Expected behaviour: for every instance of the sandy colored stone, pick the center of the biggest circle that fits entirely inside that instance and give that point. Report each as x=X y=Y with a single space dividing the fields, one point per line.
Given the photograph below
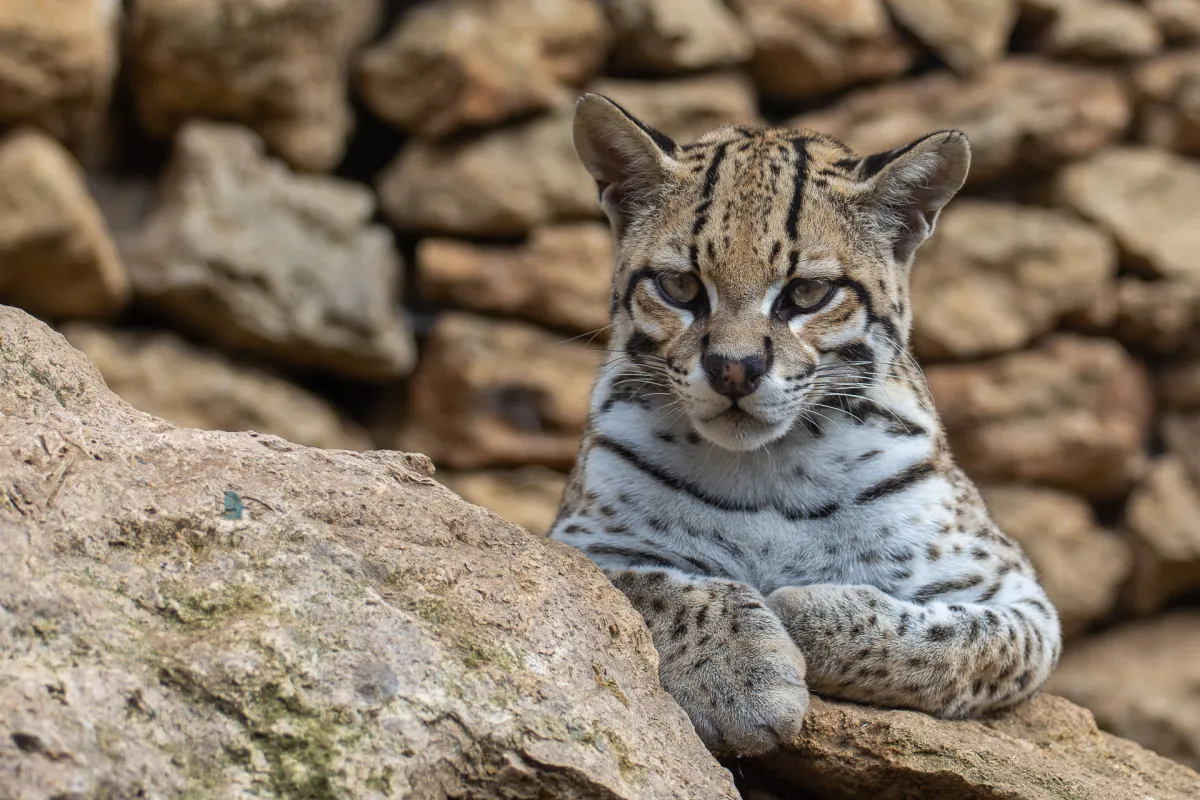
x=669 y=36
x=967 y=34
x=1147 y=200
x=996 y=275
x=528 y=497
x=1140 y=682
x=190 y=613
x=278 y=66
x=808 y=47
x=686 y=108
x=503 y=182
x=1163 y=517
x=1099 y=30
x=1047 y=749
x=498 y=394
x=1073 y=413
x=58 y=61
x=1179 y=385
x=1022 y=114
x=1159 y=316
x=56 y=256
x=256 y=258
x=559 y=277
x=1179 y=20
x=1168 y=92
x=163 y=375
x=1081 y=565
x=462 y=63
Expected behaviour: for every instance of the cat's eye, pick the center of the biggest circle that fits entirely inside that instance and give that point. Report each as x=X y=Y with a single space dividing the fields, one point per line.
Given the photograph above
x=680 y=288
x=805 y=296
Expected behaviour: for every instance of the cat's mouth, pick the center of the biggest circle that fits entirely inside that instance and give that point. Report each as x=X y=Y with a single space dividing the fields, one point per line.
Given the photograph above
x=737 y=428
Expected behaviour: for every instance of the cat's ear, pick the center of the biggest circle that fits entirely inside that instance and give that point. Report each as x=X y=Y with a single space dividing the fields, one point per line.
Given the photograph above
x=630 y=161
x=909 y=186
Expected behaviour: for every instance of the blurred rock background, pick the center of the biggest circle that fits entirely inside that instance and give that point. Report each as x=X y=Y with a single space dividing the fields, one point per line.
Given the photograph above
x=359 y=224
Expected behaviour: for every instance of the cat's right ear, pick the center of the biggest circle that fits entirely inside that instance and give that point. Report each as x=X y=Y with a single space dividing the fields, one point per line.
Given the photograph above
x=630 y=161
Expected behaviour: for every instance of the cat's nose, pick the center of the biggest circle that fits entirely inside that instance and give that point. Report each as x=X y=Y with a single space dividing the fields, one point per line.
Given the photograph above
x=734 y=377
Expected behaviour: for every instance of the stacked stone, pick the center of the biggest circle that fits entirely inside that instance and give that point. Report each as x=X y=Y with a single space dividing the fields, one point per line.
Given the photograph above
x=313 y=147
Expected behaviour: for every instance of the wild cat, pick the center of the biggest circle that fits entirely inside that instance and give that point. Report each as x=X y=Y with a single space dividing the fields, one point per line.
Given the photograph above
x=763 y=473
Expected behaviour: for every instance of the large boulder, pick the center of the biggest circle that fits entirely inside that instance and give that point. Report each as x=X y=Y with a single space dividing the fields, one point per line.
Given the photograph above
x=969 y=35
x=57 y=258
x=996 y=275
x=57 y=66
x=161 y=374
x=1099 y=30
x=256 y=258
x=1073 y=413
x=676 y=35
x=1140 y=681
x=200 y=614
x=461 y=63
x=278 y=66
x=1022 y=114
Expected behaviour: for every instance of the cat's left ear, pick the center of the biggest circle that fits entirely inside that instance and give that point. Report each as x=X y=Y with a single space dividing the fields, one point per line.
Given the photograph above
x=910 y=185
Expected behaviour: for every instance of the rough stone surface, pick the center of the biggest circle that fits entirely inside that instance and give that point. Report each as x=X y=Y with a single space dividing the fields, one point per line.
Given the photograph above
x=278 y=66
x=1073 y=413
x=1022 y=114
x=1145 y=199
x=1179 y=385
x=192 y=613
x=163 y=375
x=1179 y=20
x=1160 y=316
x=808 y=47
x=256 y=258
x=1140 y=682
x=1163 y=518
x=1047 y=749
x=1081 y=564
x=461 y=63
x=56 y=256
x=1168 y=93
x=500 y=183
x=498 y=394
x=996 y=275
x=559 y=277
x=687 y=108
x=669 y=36
x=1100 y=30
x=967 y=34
x=527 y=497
x=57 y=65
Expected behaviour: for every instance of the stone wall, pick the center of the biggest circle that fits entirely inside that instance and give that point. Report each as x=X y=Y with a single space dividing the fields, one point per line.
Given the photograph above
x=362 y=225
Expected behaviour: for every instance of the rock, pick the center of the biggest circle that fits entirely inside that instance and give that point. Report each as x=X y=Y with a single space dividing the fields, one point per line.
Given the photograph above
x=527 y=497
x=1181 y=433
x=1073 y=413
x=1140 y=682
x=1168 y=91
x=1163 y=316
x=498 y=394
x=1022 y=114
x=1179 y=20
x=501 y=183
x=808 y=47
x=258 y=259
x=163 y=375
x=1146 y=199
x=1099 y=30
x=1081 y=565
x=278 y=66
x=1046 y=749
x=967 y=34
x=189 y=611
x=559 y=276
x=56 y=257
x=57 y=66
x=687 y=108
x=996 y=275
x=668 y=36
x=1163 y=517
x=462 y=63
x=1179 y=385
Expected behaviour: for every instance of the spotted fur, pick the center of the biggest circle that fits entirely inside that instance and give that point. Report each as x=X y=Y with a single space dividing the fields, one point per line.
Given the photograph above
x=813 y=521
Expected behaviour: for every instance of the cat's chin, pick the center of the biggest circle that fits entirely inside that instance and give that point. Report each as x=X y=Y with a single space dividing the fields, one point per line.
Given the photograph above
x=739 y=431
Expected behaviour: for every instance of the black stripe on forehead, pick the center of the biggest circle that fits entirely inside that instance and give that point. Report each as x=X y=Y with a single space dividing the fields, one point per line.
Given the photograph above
x=710 y=185
x=800 y=146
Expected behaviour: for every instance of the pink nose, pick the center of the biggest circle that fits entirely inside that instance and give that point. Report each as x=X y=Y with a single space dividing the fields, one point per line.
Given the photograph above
x=734 y=378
